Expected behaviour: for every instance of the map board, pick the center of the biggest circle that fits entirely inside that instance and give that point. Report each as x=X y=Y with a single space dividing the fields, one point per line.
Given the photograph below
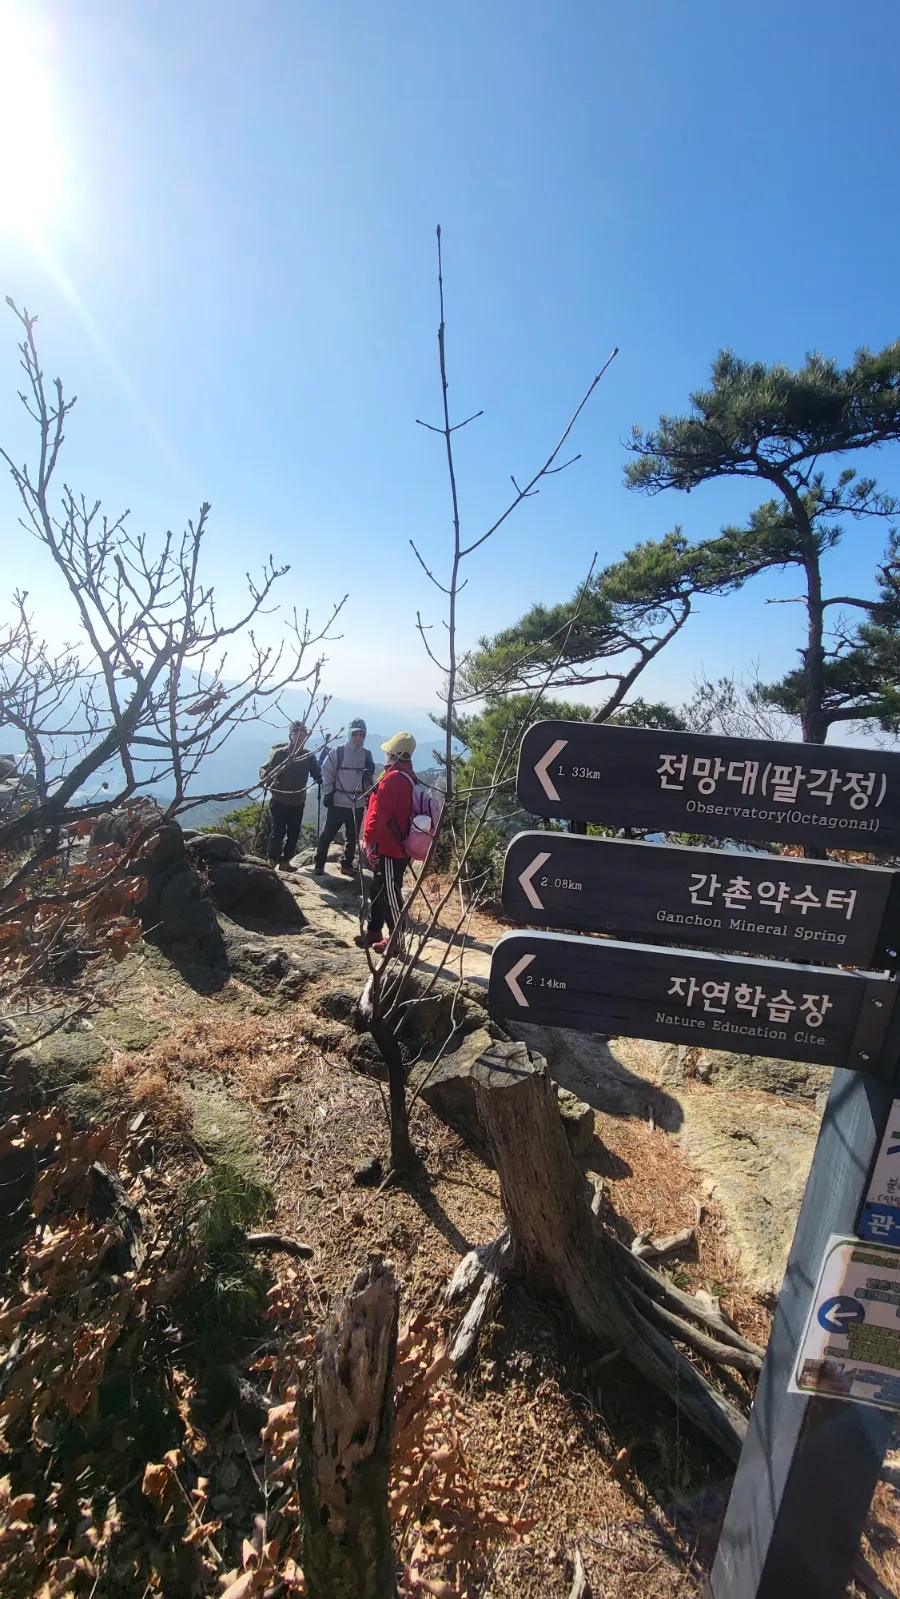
x=850 y=1347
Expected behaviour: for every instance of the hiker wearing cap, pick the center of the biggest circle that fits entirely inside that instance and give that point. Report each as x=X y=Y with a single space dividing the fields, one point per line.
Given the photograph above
x=286 y=774
x=385 y=830
x=348 y=772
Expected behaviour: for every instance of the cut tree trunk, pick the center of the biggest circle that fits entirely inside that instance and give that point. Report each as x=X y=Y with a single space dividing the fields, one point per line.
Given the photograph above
x=345 y=1435
x=557 y=1242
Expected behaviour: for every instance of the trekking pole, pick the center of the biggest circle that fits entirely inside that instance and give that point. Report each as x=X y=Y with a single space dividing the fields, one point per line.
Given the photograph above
x=321 y=758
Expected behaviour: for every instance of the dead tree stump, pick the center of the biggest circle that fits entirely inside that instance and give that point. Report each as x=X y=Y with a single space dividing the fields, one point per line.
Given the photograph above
x=557 y=1242
x=345 y=1436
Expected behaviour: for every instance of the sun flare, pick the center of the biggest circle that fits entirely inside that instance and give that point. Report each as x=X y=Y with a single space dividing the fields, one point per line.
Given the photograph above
x=30 y=159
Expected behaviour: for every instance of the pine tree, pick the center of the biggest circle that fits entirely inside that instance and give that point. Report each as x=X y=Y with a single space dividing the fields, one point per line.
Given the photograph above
x=611 y=629
x=776 y=425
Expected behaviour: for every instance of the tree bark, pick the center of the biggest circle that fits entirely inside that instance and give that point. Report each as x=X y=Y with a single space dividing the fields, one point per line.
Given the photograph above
x=557 y=1242
x=402 y=1155
x=345 y=1435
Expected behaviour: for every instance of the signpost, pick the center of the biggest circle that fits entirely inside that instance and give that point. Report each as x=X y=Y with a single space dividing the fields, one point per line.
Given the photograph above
x=880 y=1219
x=792 y=909
x=722 y=787
x=821 y=1420
x=597 y=985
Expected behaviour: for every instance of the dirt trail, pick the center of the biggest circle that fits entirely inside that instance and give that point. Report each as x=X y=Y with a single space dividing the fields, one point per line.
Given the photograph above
x=331 y=904
x=753 y=1144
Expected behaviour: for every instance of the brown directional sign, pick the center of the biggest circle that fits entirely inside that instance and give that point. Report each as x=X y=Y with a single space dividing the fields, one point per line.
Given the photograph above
x=597 y=985
x=724 y=787
x=732 y=900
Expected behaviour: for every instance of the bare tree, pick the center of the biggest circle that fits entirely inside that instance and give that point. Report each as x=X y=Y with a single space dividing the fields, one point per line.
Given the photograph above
x=737 y=708
x=392 y=987
x=141 y=695
x=553 y=1235
x=462 y=550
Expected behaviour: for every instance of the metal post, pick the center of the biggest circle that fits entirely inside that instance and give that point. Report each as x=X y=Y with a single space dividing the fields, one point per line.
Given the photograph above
x=809 y=1466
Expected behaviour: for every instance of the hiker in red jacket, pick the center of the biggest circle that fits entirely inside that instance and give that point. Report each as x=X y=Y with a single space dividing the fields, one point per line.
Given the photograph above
x=387 y=823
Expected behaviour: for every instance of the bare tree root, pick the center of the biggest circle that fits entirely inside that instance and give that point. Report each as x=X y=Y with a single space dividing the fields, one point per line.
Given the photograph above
x=482 y=1269
x=555 y=1241
x=665 y=1293
x=288 y=1246
x=700 y=1342
x=579 y=1588
x=472 y=1267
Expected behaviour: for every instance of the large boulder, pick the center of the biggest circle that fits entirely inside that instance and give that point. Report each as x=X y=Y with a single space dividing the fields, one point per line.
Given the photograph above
x=240 y=889
x=176 y=909
x=188 y=915
x=119 y=826
x=207 y=847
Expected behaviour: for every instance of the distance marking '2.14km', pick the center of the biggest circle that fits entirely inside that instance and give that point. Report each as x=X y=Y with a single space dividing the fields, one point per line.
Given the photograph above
x=753 y=1007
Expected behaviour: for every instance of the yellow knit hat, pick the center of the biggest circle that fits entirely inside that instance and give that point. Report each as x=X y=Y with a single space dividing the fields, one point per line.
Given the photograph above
x=402 y=745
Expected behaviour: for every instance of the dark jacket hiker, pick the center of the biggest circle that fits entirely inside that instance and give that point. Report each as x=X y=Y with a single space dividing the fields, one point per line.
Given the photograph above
x=286 y=774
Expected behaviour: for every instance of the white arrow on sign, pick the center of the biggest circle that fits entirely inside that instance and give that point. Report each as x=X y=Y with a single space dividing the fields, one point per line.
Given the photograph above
x=540 y=770
x=525 y=879
x=516 y=971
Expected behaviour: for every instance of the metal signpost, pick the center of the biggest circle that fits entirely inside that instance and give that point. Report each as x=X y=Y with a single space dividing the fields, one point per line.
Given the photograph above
x=829 y=1390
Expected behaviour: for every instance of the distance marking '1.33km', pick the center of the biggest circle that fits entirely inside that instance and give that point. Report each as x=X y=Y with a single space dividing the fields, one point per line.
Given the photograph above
x=722 y=787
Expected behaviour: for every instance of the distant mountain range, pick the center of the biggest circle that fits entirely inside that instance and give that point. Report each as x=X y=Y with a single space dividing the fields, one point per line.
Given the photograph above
x=237 y=764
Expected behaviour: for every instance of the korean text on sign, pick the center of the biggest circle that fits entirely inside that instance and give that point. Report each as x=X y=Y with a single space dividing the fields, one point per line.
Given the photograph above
x=714 y=997
x=739 y=894
x=780 y=784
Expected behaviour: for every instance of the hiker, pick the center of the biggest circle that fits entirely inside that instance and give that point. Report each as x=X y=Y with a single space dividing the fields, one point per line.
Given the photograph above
x=385 y=831
x=286 y=774
x=348 y=773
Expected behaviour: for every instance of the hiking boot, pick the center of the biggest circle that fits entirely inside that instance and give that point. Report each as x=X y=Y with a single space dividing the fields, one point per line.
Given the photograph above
x=368 y=940
x=380 y=945
x=347 y=871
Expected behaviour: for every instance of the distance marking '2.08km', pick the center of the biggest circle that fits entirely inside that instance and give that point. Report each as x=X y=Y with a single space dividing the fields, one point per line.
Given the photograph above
x=764 y=904
x=752 y=1007
x=722 y=787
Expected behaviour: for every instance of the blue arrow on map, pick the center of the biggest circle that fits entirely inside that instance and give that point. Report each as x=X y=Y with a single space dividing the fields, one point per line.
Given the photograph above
x=839 y=1314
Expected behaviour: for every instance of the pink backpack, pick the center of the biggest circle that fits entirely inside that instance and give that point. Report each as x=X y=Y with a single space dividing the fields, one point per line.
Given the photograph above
x=423 y=821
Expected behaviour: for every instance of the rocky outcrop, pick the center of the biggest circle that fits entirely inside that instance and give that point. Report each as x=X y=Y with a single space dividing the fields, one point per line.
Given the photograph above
x=190 y=879
x=241 y=887
x=176 y=908
x=758 y=1157
x=677 y=1064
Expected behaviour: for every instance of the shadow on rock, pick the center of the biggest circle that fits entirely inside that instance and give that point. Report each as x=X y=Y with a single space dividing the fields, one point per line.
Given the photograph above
x=584 y=1064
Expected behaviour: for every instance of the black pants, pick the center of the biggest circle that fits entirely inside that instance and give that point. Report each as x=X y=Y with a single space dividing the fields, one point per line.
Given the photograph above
x=387 y=898
x=337 y=817
x=287 y=821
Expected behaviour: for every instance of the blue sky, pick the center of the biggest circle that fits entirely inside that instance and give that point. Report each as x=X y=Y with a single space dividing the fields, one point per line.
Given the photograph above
x=228 y=232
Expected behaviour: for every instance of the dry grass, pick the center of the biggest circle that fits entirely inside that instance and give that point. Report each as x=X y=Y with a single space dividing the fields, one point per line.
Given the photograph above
x=659 y=1191
x=541 y=1409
